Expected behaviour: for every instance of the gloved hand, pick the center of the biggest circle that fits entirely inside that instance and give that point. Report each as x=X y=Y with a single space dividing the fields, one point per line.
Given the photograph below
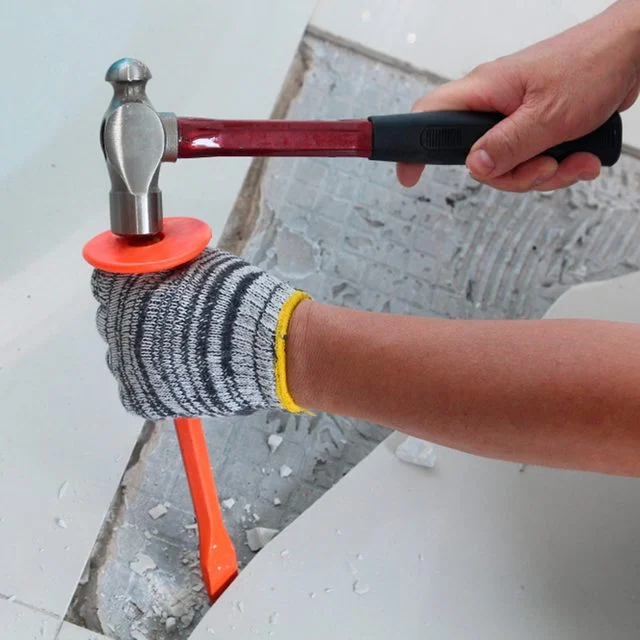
x=205 y=339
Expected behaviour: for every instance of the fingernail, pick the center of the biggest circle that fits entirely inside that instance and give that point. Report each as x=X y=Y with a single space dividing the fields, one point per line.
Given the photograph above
x=542 y=179
x=588 y=176
x=480 y=163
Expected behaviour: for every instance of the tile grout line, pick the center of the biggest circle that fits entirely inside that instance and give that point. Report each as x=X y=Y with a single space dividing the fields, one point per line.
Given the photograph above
x=26 y=605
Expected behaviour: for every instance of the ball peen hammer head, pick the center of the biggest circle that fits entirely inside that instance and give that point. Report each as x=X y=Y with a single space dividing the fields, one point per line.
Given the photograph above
x=135 y=140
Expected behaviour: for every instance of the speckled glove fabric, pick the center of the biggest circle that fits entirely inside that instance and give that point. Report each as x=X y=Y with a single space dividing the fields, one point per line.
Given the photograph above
x=205 y=339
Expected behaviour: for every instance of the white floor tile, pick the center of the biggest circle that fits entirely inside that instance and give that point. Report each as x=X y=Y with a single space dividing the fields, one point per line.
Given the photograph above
x=18 y=622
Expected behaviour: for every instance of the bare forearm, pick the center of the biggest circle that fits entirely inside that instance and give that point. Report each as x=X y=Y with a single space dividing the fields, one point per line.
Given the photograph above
x=560 y=393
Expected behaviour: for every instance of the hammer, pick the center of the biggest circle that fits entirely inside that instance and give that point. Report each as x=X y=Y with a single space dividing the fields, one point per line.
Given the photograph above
x=136 y=140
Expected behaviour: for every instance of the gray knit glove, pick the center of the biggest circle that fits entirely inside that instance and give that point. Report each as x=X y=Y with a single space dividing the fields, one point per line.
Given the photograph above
x=205 y=339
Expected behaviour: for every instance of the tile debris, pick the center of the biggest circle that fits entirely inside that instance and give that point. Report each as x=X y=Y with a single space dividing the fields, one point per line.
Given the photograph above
x=187 y=618
x=418 y=452
x=158 y=511
x=274 y=441
x=228 y=503
x=360 y=588
x=170 y=624
x=142 y=564
x=62 y=490
x=259 y=537
x=285 y=471
x=61 y=523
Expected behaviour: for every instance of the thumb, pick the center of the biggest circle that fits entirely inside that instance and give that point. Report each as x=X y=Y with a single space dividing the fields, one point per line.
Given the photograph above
x=516 y=139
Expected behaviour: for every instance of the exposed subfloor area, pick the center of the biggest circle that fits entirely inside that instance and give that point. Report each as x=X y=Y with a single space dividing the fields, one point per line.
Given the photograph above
x=345 y=231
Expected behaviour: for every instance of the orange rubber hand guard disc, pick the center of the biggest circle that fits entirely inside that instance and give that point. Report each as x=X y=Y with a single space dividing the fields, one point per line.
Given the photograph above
x=182 y=240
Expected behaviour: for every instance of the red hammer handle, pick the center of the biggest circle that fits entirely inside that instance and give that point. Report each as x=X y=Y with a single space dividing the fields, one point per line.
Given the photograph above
x=203 y=138
x=436 y=137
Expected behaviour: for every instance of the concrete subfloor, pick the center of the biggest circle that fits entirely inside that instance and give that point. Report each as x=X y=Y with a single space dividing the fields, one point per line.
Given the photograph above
x=349 y=234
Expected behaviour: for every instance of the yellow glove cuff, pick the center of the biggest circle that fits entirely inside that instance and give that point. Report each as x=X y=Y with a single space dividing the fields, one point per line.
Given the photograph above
x=285 y=397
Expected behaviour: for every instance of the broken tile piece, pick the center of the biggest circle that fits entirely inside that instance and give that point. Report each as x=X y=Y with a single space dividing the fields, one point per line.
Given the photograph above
x=277 y=502
x=84 y=578
x=142 y=564
x=170 y=624
x=418 y=452
x=360 y=588
x=61 y=523
x=240 y=606
x=259 y=537
x=187 y=619
x=285 y=471
x=274 y=441
x=228 y=503
x=158 y=511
